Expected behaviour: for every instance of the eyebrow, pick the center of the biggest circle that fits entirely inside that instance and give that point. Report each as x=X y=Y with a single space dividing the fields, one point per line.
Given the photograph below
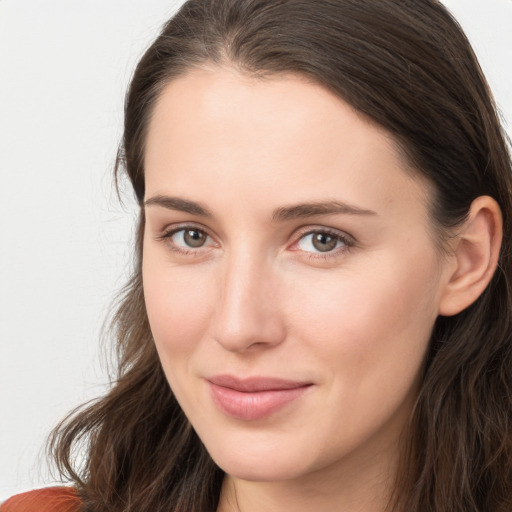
x=281 y=214
x=179 y=204
x=321 y=208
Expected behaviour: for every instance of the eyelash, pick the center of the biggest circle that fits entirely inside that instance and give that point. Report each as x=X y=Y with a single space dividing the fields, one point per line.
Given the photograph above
x=347 y=241
x=168 y=234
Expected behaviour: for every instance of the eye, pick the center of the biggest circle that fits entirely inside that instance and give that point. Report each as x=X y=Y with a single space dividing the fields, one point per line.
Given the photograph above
x=322 y=242
x=187 y=238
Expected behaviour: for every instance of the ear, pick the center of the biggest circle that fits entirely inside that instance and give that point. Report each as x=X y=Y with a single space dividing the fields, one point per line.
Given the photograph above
x=475 y=256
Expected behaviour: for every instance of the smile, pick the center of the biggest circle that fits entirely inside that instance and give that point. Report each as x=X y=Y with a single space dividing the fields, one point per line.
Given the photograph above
x=254 y=398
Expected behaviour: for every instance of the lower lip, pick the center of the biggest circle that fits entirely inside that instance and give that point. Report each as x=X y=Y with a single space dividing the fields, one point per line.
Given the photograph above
x=253 y=405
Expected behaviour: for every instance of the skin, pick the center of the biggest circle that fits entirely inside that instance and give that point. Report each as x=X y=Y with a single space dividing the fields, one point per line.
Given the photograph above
x=257 y=298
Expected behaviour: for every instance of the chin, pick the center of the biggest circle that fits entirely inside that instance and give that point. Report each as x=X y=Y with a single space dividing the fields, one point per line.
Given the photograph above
x=259 y=464
x=262 y=471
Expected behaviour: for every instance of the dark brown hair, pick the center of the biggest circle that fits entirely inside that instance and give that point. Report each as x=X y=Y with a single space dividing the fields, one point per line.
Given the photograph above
x=407 y=66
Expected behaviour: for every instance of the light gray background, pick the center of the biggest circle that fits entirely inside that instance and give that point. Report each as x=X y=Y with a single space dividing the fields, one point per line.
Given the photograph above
x=64 y=238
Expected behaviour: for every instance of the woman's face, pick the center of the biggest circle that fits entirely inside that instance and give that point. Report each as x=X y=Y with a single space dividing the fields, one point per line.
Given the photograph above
x=290 y=273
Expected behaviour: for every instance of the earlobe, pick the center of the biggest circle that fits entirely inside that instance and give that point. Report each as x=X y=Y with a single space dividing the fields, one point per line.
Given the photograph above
x=476 y=250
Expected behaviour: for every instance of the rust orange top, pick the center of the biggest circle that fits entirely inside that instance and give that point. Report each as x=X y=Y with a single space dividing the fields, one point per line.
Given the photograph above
x=50 y=499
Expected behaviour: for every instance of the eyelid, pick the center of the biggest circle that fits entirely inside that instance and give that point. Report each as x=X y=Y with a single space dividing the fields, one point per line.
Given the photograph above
x=174 y=228
x=168 y=232
x=348 y=240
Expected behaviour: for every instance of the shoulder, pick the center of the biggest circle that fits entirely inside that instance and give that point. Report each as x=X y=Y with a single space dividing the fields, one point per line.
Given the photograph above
x=50 y=499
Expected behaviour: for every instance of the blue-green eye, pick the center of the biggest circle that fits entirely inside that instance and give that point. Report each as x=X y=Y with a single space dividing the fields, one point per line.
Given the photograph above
x=321 y=241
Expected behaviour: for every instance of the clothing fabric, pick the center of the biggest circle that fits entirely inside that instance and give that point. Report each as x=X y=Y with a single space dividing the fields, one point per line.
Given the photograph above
x=50 y=499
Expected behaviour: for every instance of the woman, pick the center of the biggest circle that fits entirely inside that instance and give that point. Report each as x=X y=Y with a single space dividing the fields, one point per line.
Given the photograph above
x=319 y=317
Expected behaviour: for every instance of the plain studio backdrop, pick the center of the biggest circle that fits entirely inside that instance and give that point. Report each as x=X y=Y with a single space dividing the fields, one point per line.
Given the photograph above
x=65 y=241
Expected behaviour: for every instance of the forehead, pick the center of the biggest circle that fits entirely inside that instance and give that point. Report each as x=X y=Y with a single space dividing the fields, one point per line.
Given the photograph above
x=283 y=137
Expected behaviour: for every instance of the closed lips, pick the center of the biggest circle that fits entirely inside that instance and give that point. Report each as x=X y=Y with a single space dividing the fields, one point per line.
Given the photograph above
x=253 y=398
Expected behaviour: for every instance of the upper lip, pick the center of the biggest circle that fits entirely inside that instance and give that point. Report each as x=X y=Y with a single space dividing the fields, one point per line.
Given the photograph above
x=255 y=384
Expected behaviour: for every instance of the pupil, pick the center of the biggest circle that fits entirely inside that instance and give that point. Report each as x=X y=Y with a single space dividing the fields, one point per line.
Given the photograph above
x=323 y=242
x=194 y=238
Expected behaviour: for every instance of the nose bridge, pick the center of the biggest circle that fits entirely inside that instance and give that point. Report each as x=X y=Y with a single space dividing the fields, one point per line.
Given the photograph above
x=247 y=313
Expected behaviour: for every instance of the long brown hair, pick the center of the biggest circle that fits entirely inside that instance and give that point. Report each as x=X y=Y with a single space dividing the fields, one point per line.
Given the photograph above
x=407 y=66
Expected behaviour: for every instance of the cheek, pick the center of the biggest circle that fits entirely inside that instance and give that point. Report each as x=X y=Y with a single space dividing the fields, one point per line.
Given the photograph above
x=369 y=334
x=178 y=305
x=375 y=322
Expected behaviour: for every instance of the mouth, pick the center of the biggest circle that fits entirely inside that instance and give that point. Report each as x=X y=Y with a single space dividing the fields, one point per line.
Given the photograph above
x=254 y=398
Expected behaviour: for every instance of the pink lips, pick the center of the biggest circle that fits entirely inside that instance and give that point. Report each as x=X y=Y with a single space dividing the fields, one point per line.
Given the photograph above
x=253 y=398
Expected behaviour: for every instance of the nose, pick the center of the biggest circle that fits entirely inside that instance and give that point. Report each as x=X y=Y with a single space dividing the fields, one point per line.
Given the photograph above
x=248 y=315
